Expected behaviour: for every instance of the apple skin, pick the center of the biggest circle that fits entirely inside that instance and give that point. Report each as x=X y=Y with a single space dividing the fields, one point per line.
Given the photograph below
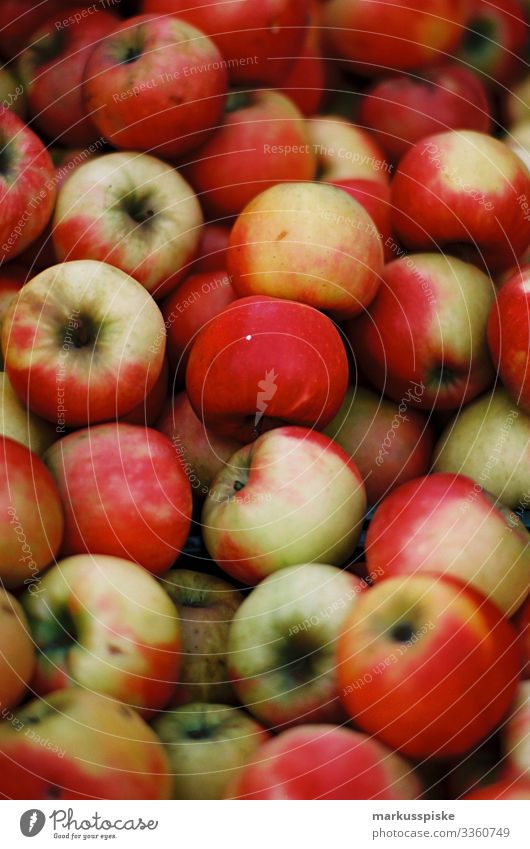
x=32 y=522
x=507 y=788
x=365 y=424
x=17 y=653
x=177 y=112
x=401 y=110
x=124 y=493
x=325 y=762
x=517 y=103
x=426 y=331
x=105 y=624
x=346 y=152
x=291 y=497
x=202 y=452
x=20 y=18
x=132 y=211
x=207 y=745
x=148 y=411
x=265 y=361
x=509 y=337
x=446 y=524
x=27 y=189
x=18 y=423
x=427 y=665
x=463 y=189
x=206 y=606
x=90 y=308
x=489 y=441
x=516 y=737
x=308 y=242
x=12 y=278
x=494 y=42
x=256 y=37
x=211 y=253
x=521 y=622
x=262 y=141
x=12 y=95
x=282 y=642
x=51 y=68
x=78 y=745
x=306 y=81
x=374 y=196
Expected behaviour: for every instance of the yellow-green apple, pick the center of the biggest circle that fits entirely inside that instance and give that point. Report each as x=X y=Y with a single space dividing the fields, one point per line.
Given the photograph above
x=27 y=189
x=517 y=102
x=282 y=644
x=345 y=151
x=518 y=139
x=202 y=452
x=83 y=342
x=12 y=94
x=155 y=83
x=20 y=424
x=206 y=606
x=31 y=515
x=461 y=191
x=494 y=43
x=17 y=652
x=389 y=443
x=516 y=734
x=291 y=497
x=133 y=211
x=509 y=336
x=489 y=441
x=124 y=492
x=308 y=242
x=325 y=762
x=447 y=524
x=427 y=665
x=262 y=141
x=263 y=362
x=207 y=745
x=105 y=624
x=427 y=328
x=78 y=745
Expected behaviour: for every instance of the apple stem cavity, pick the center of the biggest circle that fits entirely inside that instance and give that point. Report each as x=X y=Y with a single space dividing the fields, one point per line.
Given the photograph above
x=237 y=100
x=403 y=632
x=238 y=486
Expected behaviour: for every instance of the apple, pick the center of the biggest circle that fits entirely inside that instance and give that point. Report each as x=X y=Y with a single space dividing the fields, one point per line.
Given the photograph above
x=206 y=606
x=17 y=653
x=27 y=190
x=494 y=42
x=509 y=336
x=516 y=737
x=374 y=196
x=262 y=141
x=20 y=424
x=389 y=443
x=20 y=18
x=517 y=102
x=325 y=762
x=207 y=745
x=150 y=409
x=448 y=525
x=521 y=622
x=12 y=278
x=83 y=342
x=425 y=332
x=155 y=83
x=401 y=110
x=282 y=642
x=508 y=788
x=518 y=140
x=262 y=362
x=463 y=190
x=345 y=151
x=427 y=665
x=305 y=82
x=308 y=242
x=211 y=253
x=202 y=452
x=105 y=624
x=489 y=441
x=78 y=745
x=31 y=516
x=124 y=493
x=291 y=497
x=12 y=94
x=133 y=211
x=258 y=38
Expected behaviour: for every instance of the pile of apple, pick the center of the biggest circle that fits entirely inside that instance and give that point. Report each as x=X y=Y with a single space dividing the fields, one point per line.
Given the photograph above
x=265 y=406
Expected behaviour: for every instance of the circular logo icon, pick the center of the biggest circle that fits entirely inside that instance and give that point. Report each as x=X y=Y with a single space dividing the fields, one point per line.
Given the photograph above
x=32 y=822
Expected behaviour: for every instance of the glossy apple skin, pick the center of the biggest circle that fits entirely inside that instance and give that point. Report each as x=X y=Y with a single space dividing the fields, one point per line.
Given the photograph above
x=509 y=337
x=27 y=188
x=18 y=423
x=17 y=652
x=124 y=492
x=49 y=354
x=494 y=42
x=401 y=110
x=94 y=748
x=309 y=242
x=291 y=497
x=389 y=443
x=374 y=196
x=170 y=117
x=463 y=190
x=258 y=38
x=345 y=151
x=32 y=522
x=211 y=253
x=20 y=18
x=260 y=143
x=425 y=332
x=293 y=369
x=507 y=788
x=51 y=68
x=105 y=624
x=325 y=762
x=439 y=691
x=446 y=524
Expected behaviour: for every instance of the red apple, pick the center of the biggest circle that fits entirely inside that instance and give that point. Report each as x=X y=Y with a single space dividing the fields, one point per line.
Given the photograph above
x=345 y=151
x=494 y=43
x=211 y=253
x=17 y=653
x=522 y=624
x=515 y=737
x=374 y=196
x=509 y=336
x=20 y=18
x=305 y=82
x=12 y=278
x=149 y=410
